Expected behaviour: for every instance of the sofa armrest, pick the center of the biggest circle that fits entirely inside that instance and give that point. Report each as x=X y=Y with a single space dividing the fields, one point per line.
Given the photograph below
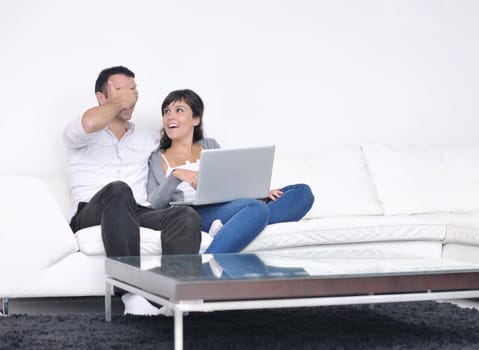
x=33 y=232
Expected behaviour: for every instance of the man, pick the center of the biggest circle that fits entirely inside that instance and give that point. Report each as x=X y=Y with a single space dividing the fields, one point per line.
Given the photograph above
x=108 y=168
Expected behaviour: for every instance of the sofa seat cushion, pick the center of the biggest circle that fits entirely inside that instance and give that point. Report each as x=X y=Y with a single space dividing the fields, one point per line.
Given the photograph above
x=345 y=230
x=90 y=242
x=463 y=229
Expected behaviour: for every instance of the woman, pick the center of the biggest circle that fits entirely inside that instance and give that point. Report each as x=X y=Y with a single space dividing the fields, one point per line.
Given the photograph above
x=173 y=175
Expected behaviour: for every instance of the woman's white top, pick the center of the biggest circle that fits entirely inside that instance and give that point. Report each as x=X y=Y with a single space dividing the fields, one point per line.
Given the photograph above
x=188 y=191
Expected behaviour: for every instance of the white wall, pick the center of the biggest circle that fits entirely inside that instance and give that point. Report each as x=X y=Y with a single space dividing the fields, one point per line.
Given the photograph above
x=301 y=74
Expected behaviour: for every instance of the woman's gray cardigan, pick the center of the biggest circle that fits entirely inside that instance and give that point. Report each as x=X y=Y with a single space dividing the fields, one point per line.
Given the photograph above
x=162 y=190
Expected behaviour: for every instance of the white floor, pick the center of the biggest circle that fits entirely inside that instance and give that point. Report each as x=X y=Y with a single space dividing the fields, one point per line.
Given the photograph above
x=36 y=306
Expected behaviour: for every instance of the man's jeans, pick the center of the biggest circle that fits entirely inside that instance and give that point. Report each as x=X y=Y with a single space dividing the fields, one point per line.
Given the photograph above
x=120 y=217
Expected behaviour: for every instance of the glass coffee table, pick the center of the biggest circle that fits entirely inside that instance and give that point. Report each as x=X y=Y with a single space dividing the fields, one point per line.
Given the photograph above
x=188 y=283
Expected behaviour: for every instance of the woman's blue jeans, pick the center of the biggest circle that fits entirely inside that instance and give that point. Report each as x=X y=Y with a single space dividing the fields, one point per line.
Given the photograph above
x=244 y=219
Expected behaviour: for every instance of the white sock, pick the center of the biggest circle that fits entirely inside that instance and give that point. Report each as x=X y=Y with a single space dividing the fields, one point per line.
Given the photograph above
x=215 y=227
x=137 y=305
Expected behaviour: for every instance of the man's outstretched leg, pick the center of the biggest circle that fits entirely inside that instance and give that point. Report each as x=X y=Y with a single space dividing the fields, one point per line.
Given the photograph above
x=114 y=208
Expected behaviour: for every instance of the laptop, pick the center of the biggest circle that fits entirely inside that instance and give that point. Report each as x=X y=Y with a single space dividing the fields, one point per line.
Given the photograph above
x=228 y=174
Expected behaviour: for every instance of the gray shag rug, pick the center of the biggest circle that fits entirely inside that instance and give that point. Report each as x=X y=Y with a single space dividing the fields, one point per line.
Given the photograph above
x=419 y=325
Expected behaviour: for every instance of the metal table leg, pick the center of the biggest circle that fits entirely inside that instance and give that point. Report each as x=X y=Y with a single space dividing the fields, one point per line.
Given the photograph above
x=108 y=291
x=178 y=329
x=4 y=309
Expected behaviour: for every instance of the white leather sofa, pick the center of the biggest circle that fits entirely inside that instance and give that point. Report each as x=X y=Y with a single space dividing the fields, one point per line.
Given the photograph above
x=421 y=200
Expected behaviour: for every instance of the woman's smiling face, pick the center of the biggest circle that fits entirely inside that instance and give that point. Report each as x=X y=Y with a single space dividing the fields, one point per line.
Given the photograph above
x=178 y=120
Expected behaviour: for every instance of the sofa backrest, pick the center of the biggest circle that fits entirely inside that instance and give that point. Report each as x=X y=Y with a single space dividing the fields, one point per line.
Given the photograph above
x=351 y=180
x=385 y=179
x=413 y=179
x=338 y=177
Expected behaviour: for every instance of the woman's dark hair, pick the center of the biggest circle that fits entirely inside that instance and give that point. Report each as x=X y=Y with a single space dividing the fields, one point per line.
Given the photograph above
x=194 y=101
x=106 y=73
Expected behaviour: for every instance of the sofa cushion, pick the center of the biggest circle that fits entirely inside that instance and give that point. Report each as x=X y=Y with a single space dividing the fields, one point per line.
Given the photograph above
x=347 y=230
x=90 y=241
x=414 y=179
x=338 y=177
x=463 y=229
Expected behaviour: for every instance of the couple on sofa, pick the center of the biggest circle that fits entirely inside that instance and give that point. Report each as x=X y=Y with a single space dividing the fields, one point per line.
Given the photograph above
x=122 y=178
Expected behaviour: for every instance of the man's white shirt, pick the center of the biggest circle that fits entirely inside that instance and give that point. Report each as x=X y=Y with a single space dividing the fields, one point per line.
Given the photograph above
x=98 y=158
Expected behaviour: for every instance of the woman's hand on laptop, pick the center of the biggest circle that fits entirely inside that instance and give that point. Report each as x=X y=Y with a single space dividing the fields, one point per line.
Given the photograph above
x=275 y=194
x=189 y=176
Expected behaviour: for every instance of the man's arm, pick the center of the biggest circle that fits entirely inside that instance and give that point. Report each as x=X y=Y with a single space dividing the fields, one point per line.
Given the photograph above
x=97 y=118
